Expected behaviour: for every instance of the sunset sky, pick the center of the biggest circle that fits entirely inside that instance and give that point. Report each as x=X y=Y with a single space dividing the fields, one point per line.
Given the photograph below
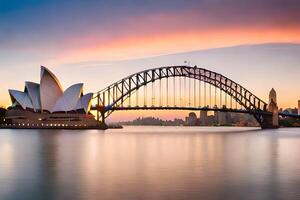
x=85 y=41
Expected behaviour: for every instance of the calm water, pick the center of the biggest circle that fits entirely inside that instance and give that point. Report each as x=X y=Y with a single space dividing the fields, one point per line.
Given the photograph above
x=150 y=163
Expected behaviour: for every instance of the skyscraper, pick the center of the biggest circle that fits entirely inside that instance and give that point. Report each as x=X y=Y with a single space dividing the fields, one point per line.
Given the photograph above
x=191 y=120
x=298 y=107
x=203 y=118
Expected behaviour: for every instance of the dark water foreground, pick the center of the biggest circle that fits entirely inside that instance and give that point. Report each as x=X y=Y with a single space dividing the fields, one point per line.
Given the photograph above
x=150 y=163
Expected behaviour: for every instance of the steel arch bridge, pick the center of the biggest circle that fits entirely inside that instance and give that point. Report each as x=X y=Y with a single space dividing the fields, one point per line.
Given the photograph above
x=197 y=91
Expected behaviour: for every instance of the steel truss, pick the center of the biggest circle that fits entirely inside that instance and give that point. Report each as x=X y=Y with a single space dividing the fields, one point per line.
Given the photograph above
x=113 y=97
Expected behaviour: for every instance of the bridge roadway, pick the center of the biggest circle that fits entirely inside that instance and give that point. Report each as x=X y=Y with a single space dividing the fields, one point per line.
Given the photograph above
x=202 y=108
x=190 y=109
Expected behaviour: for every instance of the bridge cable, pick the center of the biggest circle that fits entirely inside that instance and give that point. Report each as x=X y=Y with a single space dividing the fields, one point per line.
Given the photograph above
x=195 y=90
x=184 y=92
x=205 y=93
x=215 y=96
x=153 y=94
x=137 y=98
x=145 y=95
x=160 y=96
x=199 y=91
x=174 y=93
x=221 y=102
x=225 y=100
x=167 y=93
x=231 y=102
x=236 y=97
x=129 y=94
x=113 y=94
x=122 y=92
x=209 y=95
x=180 y=98
x=189 y=92
x=108 y=96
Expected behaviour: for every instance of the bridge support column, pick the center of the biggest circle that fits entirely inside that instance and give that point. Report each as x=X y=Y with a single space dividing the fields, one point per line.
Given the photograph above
x=102 y=121
x=266 y=121
x=103 y=117
x=101 y=113
x=270 y=121
x=273 y=108
x=203 y=118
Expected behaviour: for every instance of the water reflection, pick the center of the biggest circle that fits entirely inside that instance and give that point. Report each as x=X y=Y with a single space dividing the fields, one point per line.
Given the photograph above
x=48 y=163
x=150 y=163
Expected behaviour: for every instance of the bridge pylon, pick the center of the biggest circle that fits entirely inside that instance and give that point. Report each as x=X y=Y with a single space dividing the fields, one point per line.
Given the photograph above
x=273 y=121
x=101 y=114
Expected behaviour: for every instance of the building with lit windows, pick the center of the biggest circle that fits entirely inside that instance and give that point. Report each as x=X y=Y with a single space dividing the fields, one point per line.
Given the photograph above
x=47 y=105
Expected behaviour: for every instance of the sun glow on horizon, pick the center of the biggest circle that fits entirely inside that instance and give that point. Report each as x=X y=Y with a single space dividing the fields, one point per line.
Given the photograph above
x=134 y=47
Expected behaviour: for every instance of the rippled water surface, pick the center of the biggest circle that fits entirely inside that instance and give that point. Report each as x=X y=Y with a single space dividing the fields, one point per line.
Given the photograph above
x=150 y=163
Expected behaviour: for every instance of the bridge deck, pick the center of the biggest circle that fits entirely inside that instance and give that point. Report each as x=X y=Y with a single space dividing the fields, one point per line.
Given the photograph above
x=188 y=108
x=289 y=115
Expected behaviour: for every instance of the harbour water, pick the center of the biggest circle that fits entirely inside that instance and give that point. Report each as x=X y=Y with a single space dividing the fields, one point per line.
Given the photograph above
x=176 y=163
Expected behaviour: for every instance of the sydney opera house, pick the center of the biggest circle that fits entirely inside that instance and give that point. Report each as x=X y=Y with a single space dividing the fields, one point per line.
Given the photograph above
x=47 y=105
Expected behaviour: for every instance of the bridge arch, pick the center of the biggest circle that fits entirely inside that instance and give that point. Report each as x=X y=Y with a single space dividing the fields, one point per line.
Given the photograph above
x=113 y=96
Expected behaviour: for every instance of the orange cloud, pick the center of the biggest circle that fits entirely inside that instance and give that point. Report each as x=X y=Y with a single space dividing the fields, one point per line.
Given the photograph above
x=171 y=42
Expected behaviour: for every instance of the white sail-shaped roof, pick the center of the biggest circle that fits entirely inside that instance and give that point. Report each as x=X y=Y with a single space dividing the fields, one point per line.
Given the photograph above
x=85 y=102
x=22 y=98
x=33 y=90
x=69 y=99
x=50 y=89
x=49 y=95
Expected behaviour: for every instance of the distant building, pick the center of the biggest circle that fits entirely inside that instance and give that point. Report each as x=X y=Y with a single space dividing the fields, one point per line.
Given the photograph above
x=191 y=120
x=220 y=118
x=291 y=111
x=216 y=116
x=224 y=118
x=240 y=119
x=203 y=118
x=211 y=121
x=298 y=107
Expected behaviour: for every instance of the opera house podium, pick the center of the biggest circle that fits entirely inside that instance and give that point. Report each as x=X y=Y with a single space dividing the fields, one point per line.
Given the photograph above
x=47 y=105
